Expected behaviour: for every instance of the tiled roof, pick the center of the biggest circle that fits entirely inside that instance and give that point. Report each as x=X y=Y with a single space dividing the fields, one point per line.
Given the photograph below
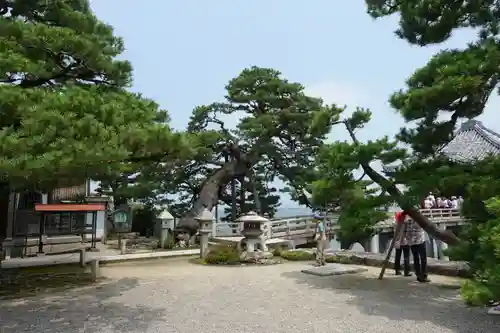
x=472 y=142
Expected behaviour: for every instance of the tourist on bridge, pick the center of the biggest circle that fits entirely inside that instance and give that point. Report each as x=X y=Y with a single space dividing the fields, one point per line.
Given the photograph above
x=320 y=238
x=402 y=247
x=415 y=236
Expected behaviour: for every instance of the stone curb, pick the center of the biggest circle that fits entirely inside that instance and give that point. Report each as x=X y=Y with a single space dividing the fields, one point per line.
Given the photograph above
x=106 y=260
x=103 y=260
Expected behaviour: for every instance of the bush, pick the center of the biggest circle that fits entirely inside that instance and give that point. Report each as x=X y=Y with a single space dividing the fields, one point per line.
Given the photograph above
x=223 y=255
x=297 y=255
x=476 y=293
x=482 y=252
x=339 y=260
x=278 y=250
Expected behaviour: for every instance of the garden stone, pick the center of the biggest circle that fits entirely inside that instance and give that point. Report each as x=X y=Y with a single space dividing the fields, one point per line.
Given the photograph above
x=255 y=256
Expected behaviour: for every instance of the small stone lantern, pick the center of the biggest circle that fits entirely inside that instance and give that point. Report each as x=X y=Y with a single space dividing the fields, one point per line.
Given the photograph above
x=253 y=233
x=205 y=219
x=164 y=221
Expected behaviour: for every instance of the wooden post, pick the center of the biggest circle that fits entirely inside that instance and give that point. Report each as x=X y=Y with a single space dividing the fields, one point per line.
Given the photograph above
x=398 y=234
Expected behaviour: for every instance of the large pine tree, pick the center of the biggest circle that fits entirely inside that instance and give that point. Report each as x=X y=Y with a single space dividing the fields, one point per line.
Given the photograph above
x=64 y=112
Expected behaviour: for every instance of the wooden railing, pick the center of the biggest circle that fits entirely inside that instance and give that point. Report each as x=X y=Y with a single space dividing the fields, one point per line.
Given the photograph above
x=304 y=225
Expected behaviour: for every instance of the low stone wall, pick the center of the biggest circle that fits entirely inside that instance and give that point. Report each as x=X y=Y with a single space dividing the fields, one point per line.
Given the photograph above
x=439 y=267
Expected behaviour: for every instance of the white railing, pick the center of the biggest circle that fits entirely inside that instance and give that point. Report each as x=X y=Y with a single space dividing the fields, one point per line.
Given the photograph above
x=442 y=214
x=304 y=225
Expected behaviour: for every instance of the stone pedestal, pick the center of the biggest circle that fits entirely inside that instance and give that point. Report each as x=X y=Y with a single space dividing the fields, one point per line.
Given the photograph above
x=94 y=269
x=123 y=246
x=204 y=243
x=83 y=257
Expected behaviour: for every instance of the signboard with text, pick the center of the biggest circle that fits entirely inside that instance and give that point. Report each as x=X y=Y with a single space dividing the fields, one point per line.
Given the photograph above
x=122 y=220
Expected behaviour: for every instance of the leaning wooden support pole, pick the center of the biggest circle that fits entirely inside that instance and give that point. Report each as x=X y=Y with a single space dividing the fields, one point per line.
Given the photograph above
x=398 y=234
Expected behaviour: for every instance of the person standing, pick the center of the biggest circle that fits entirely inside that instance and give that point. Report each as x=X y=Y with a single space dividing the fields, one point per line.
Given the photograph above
x=320 y=238
x=402 y=247
x=415 y=236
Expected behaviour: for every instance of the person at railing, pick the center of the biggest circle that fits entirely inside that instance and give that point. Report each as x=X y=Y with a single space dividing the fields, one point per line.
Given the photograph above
x=440 y=202
x=454 y=202
x=415 y=237
x=320 y=238
x=429 y=202
x=402 y=247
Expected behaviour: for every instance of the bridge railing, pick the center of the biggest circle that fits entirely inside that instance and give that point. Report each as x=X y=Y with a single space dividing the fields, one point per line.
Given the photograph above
x=289 y=227
x=441 y=214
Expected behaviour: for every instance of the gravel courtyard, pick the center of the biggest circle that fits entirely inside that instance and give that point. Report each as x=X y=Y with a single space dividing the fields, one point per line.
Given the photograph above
x=175 y=296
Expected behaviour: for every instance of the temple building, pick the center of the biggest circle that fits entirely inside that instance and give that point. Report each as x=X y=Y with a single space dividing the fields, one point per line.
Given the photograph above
x=472 y=142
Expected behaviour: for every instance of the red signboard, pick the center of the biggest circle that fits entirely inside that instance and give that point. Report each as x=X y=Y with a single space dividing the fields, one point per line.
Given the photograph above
x=93 y=207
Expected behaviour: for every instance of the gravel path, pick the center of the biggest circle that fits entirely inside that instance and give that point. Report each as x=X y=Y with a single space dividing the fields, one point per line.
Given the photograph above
x=176 y=296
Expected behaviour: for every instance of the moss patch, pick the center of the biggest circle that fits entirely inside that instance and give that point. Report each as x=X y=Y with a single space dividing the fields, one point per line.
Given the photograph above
x=297 y=255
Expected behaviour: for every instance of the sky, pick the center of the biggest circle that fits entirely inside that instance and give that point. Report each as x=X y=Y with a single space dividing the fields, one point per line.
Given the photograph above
x=185 y=52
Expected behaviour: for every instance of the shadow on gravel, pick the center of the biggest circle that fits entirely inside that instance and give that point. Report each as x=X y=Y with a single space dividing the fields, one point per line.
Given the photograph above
x=89 y=309
x=405 y=299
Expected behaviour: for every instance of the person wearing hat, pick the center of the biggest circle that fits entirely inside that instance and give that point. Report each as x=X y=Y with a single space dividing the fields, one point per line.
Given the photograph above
x=320 y=238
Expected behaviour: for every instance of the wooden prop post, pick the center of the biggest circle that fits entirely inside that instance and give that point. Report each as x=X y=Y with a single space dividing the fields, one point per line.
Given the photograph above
x=398 y=233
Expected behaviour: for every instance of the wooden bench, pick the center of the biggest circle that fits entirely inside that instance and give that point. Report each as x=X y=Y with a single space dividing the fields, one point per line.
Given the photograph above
x=28 y=246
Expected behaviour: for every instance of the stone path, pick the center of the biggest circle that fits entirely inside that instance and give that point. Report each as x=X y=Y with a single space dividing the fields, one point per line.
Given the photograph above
x=175 y=296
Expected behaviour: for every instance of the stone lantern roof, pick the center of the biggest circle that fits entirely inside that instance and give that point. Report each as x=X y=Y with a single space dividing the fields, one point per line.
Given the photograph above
x=472 y=142
x=165 y=215
x=252 y=217
x=205 y=215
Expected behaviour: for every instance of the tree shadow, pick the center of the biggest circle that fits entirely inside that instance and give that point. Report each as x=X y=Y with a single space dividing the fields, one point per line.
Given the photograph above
x=88 y=309
x=399 y=298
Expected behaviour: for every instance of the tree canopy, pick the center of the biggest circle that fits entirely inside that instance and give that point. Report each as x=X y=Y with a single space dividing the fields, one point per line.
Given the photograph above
x=279 y=131
x=454 y=85
x=66 y=113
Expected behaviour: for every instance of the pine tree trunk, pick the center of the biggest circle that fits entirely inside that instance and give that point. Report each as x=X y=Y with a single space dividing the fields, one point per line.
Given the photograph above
x=209 y=194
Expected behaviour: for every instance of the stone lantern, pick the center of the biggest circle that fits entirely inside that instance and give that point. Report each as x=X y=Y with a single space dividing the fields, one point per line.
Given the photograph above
x=164 y=222
x=205 y=219
x=253 y=232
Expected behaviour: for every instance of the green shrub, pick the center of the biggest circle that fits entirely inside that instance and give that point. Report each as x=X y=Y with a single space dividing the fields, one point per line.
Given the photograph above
x=278 y=250
x=476 y=293
x=223 y=255
x=297 y=255
x=338 y=260
x=482 y=252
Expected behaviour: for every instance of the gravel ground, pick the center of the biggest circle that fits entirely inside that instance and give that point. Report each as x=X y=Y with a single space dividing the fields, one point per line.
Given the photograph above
x=176 y=296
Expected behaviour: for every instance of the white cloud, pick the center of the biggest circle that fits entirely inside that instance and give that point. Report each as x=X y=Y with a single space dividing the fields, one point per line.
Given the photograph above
x=334 y=93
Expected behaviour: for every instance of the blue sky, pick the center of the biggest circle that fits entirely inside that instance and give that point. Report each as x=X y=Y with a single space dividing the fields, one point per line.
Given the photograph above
x=184 y=52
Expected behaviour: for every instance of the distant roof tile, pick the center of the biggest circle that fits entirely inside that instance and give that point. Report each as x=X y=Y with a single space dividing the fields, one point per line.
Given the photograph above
x=472 y=142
